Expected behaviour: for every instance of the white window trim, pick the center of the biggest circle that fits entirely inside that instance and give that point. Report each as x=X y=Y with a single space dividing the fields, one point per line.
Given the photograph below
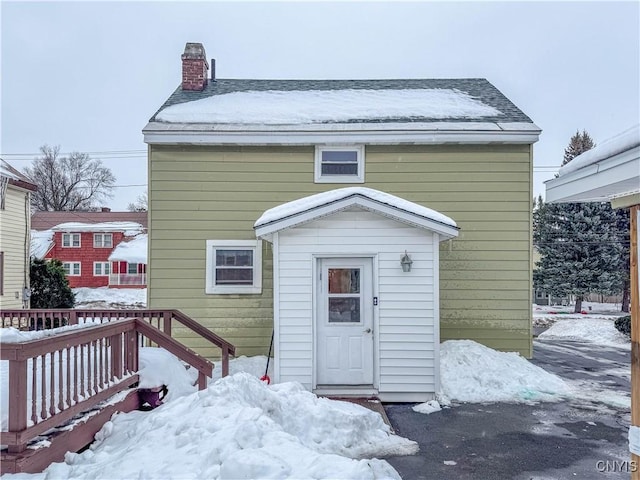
x=319 y=178
x=71 y=264
x=212 y=288
x=71 y=245
x=102 y=236
x=102 y=269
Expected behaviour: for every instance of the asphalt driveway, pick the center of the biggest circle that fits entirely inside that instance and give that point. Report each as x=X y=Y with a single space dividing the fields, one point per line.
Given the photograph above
x=584 y=437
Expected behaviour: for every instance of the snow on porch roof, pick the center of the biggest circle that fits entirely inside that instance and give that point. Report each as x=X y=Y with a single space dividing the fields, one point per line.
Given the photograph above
x=306 y=209
x=133 y=251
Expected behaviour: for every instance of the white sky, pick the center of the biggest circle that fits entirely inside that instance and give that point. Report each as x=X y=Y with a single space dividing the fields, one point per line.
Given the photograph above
x=87 y=75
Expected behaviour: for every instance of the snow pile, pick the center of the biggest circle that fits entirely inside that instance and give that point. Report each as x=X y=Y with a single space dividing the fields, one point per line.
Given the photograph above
x=130 y=229
x=427 y=407
x=592 y=330
x=132 y=251
x=254 y=366
x=471 y=372
x=276 y=107
x=113 y=297
x=41 y=242
x=313 y=201
x=622 y=142
x=159 y=367
x=240 y=428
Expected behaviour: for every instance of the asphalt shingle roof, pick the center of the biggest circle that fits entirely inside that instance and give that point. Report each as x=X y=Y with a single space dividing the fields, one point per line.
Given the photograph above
x=48 y=220
x=479 y=88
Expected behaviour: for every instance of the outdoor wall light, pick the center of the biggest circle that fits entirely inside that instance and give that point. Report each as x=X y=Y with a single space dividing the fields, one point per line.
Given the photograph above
x=406 y=262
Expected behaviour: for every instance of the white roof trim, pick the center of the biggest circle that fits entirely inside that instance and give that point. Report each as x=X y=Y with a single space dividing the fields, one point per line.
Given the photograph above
x=369 y=133
x=265 y=231
x=600 y=181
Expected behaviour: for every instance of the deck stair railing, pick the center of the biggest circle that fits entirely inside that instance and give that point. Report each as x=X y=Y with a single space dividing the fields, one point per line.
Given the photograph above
x=164 y=320
x=55 y=378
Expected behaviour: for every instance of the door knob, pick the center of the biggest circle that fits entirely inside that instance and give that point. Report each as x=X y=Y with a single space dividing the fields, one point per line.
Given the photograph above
x=368 y=330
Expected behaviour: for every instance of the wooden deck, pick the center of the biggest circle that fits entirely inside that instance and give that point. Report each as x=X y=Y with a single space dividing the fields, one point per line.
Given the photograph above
x=65 y=386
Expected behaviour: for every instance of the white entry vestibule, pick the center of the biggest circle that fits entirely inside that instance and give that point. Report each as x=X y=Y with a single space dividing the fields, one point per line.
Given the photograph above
x=349 y=317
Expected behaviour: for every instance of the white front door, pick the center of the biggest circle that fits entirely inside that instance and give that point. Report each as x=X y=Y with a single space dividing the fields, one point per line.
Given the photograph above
x=344 y=322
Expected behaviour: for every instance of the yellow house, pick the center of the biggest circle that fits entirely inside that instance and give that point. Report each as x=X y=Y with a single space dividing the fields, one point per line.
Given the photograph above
x=356 y=164
x=15 y=237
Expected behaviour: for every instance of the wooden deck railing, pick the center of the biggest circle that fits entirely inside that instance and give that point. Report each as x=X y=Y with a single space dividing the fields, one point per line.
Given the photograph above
x=39 y=319
x=55 y=378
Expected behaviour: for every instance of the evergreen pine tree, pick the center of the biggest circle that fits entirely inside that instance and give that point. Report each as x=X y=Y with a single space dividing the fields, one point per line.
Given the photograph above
x=579 y=143
x=49 y=285
x=579 y=250
x=579 y=243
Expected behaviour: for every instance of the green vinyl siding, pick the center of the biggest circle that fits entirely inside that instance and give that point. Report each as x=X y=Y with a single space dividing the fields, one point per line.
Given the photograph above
x=200 y=193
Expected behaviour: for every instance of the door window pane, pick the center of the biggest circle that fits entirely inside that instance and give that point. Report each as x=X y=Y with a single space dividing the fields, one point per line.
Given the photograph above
x=344 y=309
x=344 y=280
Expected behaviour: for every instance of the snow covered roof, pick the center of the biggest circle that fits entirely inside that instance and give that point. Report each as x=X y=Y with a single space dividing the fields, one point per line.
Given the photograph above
x=309 y=208
x=133 y=251
x=281 y=107
x=41 y=243
x=48 y=220
x=622 y=142
x=15 y=177
x=129 y=228
x=607 y=172
x=338 y=101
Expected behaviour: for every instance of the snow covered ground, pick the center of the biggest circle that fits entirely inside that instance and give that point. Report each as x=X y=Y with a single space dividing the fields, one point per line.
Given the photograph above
x=104 y=297
x=237 y=428
x=600 y=331
x=545 y=315
x=241 y=428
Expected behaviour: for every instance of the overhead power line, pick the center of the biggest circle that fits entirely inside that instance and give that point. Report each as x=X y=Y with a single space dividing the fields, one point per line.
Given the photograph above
x=97 y=152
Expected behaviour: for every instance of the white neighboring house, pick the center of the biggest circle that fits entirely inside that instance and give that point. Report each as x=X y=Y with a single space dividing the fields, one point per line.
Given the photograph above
x=15 y=236
x=356 y=293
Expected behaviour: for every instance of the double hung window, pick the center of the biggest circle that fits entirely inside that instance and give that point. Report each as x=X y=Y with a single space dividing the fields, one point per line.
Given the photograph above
x=337 y=164
x=234 y=266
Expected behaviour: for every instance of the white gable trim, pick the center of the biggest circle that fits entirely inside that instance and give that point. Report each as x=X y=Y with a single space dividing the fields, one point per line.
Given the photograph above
x=326 y=134
x=600 y=181
x=445 y=232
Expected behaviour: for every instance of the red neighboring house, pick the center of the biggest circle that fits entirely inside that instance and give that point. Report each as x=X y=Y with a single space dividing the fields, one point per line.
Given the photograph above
x=84 y=241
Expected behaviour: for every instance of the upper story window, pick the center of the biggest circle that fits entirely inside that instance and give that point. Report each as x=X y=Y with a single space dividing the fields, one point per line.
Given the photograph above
x=339 y=164
x=102 y=240
x=234 y=266
x=70 y=239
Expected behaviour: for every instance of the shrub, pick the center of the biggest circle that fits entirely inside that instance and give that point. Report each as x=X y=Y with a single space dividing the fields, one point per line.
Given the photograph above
x=623 y=324
x=49 y=285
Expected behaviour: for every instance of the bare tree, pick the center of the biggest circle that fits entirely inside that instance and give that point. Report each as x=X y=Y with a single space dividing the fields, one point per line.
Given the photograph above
x=140 y=205
x=69 y=183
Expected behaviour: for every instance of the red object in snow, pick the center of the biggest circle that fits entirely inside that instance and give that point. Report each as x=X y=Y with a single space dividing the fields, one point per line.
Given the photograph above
x=584 y=312
x=553 y=313
x=265 y=378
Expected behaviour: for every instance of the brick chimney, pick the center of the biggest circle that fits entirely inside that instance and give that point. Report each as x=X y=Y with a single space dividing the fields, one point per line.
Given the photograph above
x=194 y=67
